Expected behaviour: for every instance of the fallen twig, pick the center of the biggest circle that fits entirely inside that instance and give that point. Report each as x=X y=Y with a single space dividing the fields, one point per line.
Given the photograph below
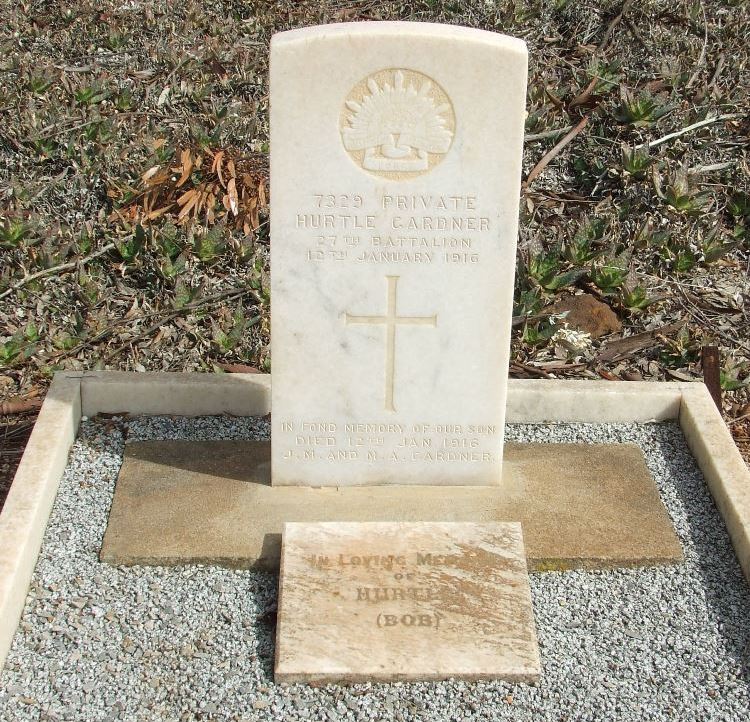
x=531 y=137
x=161 y=314
x=611 y=27
x=56 y=269
x=520 y=320
x=624 y=347
x=51 y=132
x=687 y=129
x=702 y=56
x=711 y=168
x=607 y=375
x=737 y=419
x=531 y=370
x=636 y=34
x=544 y=162
x=719 y=67
x=584 y=96
x=559 y=366
x=229 y=295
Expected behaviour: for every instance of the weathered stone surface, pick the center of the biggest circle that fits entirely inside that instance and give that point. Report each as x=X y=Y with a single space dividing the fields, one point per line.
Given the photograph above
x=395 y=178
x=586 y=313
x=592 y=506
x=385 y=601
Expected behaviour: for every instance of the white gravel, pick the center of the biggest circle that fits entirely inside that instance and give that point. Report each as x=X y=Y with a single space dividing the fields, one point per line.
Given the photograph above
x=196 y=643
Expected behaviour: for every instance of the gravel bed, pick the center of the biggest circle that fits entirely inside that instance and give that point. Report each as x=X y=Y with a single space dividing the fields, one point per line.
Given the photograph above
x=196 y=643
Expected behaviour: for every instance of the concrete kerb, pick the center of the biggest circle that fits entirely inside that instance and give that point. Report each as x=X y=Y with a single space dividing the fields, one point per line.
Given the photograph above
x=73 y=395
x=29 y=501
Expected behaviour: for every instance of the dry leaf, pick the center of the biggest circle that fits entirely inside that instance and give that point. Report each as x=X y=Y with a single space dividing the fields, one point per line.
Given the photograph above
x=187 y=167
x=194 y=196
x=232 y=193
x=150 y=173
x=158 y=212
x=186 y=196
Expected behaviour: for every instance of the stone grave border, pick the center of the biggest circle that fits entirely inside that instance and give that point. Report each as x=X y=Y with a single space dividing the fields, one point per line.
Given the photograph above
x=74 y=395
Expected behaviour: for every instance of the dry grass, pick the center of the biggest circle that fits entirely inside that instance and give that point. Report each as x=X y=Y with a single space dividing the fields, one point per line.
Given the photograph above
x=133 y=196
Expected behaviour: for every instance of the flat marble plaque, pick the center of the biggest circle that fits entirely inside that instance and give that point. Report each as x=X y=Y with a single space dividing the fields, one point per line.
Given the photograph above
x=387 y=601
x=395 y=178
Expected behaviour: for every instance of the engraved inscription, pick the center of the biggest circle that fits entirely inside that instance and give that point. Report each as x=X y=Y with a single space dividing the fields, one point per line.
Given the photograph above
x=443 y=443
x=389 y=228
x=397 y=123
x=390 y=321
x=394 y=579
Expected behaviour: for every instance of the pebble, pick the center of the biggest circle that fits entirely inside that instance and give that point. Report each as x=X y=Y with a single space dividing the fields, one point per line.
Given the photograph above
x=184 y=643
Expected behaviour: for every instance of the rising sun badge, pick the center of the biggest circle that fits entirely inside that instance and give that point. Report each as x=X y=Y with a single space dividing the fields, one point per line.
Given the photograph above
x=397 y=123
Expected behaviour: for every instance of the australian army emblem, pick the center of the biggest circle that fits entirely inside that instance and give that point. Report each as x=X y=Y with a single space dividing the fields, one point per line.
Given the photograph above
x=397 y=123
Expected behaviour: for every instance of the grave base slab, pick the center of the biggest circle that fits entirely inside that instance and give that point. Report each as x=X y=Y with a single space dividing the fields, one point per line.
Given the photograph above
x=211 y=502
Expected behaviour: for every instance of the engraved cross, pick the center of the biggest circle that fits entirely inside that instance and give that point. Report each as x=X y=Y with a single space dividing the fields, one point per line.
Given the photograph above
x=390 y=321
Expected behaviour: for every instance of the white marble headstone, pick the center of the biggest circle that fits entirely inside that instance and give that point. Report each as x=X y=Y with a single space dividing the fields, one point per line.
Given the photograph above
x=395 y=178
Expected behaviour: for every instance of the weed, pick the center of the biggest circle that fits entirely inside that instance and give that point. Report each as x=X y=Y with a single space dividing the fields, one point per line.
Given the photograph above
x=739 y=206
x=678 y=256
x=682 y=350
x=65 y=341
x=731 y=373
x=739 y=209
x=533 y=122
x=47 y=255
x=31 y=332
x=9 y=352
x=13 y=232
x=186 y=293
x=713 y=246
x=642 y=110
x=209 y=245
x=635 y=299
x=580 y=251
x=608 y=278
x=85 y=240
x=544 y=267
x=166 y=241
x=116 y=41
x=20 y=346
x=88 y=286
x=537 y=334
x=44 y=147
x=636 y=162
x=132 y=245
x=123 y=101
x=171 y=268
x=91 y=95
x=228 y=341
x=527 y=303
x=607 y=75
x=39 y=84
x=680 y=194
